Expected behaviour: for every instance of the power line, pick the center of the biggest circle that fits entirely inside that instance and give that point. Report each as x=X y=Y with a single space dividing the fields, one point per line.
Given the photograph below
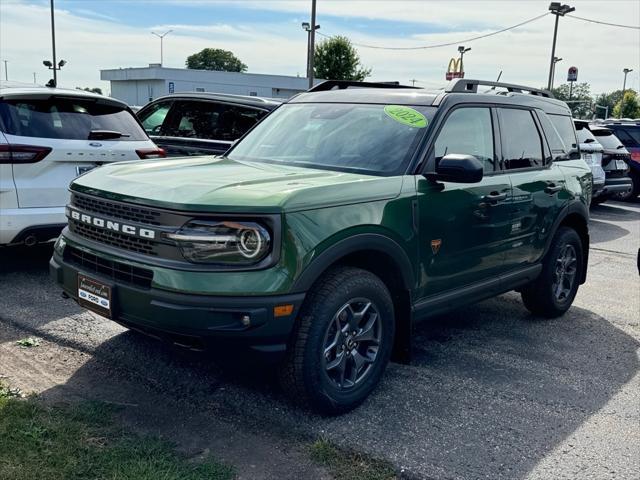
x=604 y=23
x=448 y=44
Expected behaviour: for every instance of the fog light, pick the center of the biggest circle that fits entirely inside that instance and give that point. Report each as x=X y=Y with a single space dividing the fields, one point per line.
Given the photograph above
x=60 y=244
x=246 y=320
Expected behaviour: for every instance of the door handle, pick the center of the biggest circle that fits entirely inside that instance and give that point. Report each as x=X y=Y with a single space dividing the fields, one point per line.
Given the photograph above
x=494 y=197
x=552 y=188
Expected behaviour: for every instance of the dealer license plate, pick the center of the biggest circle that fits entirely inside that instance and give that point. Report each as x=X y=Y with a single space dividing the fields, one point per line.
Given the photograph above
x=621 y=165
x=94 y=295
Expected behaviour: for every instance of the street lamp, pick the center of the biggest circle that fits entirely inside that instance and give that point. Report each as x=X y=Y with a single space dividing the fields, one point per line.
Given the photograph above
x=626 y=71
x=312 y=43
x=462 y=51
x=54 y=81
x=553 y=75
x=52 y=66
x=559 y=10
x=306 y=26
x=161 y=37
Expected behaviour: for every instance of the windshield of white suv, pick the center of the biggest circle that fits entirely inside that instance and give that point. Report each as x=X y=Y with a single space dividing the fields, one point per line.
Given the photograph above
x=372 y=139
x=68 y=118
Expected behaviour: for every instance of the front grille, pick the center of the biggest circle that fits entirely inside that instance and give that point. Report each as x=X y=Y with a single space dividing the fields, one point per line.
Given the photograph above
x=140 y=277
x=114 y=239
x=116 y=210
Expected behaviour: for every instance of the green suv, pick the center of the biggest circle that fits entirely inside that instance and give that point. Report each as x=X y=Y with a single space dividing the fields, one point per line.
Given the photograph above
x=347 y=215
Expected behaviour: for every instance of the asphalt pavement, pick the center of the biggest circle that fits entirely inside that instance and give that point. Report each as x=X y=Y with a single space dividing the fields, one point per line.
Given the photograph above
x=492 y=392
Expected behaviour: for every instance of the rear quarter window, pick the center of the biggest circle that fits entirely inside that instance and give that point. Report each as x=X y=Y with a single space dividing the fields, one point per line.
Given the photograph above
x=67 y=118
x=566 y=130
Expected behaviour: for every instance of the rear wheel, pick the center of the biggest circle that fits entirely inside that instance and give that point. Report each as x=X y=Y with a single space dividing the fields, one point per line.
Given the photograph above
x=342 y=342
x=552 y=293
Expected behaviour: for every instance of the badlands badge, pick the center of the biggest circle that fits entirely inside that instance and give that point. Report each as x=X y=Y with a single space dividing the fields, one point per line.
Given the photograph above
x=435 y=245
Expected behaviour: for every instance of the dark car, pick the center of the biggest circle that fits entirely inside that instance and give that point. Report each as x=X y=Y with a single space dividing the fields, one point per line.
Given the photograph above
x=628 y=132
x=615 y=163
x=185 y=124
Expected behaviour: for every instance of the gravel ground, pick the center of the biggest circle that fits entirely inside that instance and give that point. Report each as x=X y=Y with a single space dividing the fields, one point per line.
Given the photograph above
x=492 y=392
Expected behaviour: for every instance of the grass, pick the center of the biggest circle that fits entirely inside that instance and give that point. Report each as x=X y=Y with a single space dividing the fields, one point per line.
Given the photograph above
x=81 y=442
x=28 y=342
x=345 y=465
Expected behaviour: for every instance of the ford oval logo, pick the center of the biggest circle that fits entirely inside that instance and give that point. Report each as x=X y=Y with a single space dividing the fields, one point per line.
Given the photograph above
x=95 y=144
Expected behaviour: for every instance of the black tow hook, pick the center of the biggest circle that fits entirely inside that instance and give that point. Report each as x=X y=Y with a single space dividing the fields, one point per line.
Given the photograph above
x=64 y=294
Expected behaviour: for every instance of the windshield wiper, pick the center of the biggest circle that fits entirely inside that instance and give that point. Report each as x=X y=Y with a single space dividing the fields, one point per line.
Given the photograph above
x=106 y=134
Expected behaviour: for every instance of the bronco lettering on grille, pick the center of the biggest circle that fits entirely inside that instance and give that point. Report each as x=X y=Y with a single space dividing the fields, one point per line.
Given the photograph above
x=111 y=225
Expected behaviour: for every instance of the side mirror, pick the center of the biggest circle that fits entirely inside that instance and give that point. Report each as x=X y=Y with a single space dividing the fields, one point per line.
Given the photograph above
x=459 y=168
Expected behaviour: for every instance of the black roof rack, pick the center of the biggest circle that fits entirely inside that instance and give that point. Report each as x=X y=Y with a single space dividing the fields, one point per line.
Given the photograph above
x=343 y=84
x=461 y=85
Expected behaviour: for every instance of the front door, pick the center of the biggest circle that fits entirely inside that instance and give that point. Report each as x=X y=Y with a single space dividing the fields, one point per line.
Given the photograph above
x=463 y=227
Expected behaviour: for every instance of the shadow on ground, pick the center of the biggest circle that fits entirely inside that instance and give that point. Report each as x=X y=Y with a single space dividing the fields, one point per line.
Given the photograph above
x=490 y=392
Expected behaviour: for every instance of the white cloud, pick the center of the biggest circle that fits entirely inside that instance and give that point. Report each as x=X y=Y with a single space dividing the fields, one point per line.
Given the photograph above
x=90 y=43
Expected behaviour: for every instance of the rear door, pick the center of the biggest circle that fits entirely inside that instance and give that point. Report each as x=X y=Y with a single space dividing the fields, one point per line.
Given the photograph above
x=539 y=189
x=59 y=127
x=200 y=127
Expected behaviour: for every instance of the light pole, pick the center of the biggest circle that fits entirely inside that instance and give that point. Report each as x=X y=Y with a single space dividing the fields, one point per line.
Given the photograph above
x=462 y=51
x=6 y=72
x=161 y=37
x=626 y=71
x=312 y=43
x=553 y=74
x=53 y=83
x=559 y=11
x=306 y=26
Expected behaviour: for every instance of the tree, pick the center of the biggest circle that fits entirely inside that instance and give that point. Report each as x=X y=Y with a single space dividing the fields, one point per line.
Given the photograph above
x=606 y=103
x=628 y=106
x=215 y=59
x=337 y=59
x=97 y=90
x=580 y=103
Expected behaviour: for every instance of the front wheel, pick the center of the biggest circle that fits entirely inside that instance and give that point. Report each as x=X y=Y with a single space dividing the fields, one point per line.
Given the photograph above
x=552 y=293
x=342 y=343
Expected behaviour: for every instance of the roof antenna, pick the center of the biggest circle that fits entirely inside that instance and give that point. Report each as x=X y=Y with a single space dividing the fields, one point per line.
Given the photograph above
x=497 y=80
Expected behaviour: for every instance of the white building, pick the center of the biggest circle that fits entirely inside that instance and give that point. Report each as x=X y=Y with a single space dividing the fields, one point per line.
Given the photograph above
x=137 y=86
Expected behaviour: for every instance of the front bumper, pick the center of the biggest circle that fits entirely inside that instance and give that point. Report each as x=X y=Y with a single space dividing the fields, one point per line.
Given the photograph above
x=201 y=322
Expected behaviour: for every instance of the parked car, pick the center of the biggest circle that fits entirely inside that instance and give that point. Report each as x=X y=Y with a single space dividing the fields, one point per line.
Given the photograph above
x=615 y=163
x=186 y=124
x=591 y=152
x=49 y=136
x=341 y=219
x=628 y=132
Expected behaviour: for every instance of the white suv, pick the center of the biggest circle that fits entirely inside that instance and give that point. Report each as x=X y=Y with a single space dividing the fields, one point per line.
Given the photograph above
x=49 y=136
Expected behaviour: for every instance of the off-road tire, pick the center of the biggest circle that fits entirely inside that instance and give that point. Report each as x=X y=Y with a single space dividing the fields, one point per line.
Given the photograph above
x=538 y=296
x=302 y=374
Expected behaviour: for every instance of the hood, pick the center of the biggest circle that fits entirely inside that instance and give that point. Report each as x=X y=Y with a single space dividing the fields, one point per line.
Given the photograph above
x=223 y=185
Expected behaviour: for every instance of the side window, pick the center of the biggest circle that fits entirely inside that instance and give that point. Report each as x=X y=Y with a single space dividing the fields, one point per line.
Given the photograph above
x=521 y=142
x=566 y=129
x=154 y=117
x=213 y=121
x=559 y=150
x=467 y=131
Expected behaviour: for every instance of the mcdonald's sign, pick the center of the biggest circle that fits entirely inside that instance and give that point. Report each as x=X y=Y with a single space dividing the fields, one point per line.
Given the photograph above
x=454 y=70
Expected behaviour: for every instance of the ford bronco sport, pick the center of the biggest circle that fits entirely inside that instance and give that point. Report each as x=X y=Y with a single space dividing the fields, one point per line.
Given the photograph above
x=335 y=224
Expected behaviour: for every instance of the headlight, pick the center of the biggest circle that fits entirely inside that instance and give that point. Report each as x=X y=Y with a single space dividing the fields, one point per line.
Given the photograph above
x=224 y=242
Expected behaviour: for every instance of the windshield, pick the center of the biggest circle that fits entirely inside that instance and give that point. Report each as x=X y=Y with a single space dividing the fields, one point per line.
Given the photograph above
x=373 y=139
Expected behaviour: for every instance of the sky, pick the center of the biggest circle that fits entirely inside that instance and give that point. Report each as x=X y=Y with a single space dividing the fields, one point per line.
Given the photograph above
x=267 y=36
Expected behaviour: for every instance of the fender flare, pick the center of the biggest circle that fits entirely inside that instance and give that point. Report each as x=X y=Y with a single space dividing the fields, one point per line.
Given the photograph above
x=575 y=207
x=355 y=243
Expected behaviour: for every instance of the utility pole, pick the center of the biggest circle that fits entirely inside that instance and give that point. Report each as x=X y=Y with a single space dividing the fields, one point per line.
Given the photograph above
x=34 y=78
x=6 y=72
x=53 y=44
x=312 y=43
x=161 y=37
x=626 y=71
x=559 y=11
x=306 y=26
